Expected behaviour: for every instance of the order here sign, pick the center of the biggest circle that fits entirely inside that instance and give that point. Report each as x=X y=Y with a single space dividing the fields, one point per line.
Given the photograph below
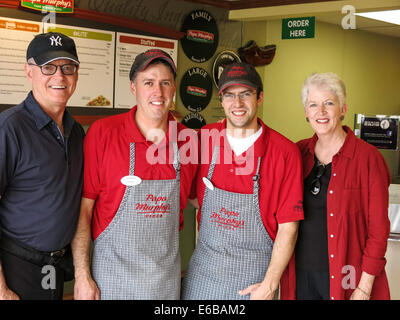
x=298 y=28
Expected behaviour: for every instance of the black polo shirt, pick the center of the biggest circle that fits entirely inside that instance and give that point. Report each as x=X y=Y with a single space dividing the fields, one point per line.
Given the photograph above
x=41 y=174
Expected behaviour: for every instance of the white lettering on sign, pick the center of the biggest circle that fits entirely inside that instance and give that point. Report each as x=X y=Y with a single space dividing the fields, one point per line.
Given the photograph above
x=83 y=34
x=298 y=28
x=201 y=14
x=371 y=123
x=198 y=71
x=298 y=33
x=298 y=23
x=146 y=42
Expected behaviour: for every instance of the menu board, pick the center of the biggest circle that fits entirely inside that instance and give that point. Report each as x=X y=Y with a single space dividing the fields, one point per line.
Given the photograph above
x=95 y=50
x=15 y=36
x=127 y=48
x=105 y=61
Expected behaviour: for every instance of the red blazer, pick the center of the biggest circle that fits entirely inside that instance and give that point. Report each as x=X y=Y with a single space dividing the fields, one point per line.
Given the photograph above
x=357 y=215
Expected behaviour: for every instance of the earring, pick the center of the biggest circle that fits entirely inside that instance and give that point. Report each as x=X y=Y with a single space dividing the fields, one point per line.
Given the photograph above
x=308 y=120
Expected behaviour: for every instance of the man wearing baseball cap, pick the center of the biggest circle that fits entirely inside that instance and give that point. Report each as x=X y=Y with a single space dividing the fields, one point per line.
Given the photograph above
x=249 y=188
x=135 y=190
x=41 y=173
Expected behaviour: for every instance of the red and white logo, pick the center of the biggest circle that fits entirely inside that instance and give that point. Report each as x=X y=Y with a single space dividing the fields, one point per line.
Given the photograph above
x=226 y=219
x=154 y=206
x=237 y=72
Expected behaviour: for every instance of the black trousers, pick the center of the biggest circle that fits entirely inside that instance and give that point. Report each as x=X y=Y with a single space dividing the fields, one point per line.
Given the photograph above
x=312 y=285
x=30 y=281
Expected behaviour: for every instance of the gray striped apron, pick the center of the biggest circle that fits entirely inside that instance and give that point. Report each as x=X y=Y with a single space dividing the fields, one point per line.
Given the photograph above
x=233 y=249
x=137 y=255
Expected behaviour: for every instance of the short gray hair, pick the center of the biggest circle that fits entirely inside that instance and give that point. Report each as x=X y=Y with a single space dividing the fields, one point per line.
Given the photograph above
x=329 y=81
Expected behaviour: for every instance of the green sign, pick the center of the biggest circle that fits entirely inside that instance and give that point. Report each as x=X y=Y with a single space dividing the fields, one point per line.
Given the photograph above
x=58 y=6
x=298 y=28
x=78 y=33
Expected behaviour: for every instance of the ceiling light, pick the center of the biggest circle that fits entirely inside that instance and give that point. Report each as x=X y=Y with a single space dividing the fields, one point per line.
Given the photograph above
x=390 y=16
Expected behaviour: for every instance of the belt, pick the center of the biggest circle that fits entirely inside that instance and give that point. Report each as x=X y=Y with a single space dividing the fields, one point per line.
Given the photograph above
x=29 y=254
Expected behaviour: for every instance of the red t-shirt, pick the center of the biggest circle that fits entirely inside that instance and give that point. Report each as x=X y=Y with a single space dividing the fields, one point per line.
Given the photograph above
x=107 y=153
x=357 y=215
x=281 y=183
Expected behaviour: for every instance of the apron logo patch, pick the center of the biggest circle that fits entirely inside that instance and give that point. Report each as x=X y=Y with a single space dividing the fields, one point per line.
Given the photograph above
x=227 y=219
x=153 y=207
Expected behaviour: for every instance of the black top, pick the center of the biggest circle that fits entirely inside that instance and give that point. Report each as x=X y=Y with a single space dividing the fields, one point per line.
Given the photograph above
x=41 y=175
x=312 y=243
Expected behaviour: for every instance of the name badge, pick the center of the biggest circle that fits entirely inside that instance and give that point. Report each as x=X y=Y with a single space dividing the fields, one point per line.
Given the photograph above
x=208 y=183
x=131 y=180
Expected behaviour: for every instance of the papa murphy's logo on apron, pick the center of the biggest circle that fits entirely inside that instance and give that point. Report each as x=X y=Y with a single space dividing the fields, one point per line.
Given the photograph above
x=227 y=219
x=153 y=207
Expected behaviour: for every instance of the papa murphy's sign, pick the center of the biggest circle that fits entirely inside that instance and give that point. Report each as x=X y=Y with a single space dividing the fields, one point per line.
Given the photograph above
x=58 y=6
x=201 y=36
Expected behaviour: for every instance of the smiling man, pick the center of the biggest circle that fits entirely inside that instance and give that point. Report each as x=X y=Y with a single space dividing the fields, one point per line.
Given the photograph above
x=248 y=218
x=41 y=173
x=133 y=208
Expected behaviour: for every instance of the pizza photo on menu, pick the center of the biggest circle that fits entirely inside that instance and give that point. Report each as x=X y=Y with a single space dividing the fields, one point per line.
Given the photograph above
x=99 y=101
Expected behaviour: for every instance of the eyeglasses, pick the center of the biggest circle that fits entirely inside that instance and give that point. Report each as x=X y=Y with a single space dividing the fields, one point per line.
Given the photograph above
x=316 y=183
x=50 y=69
x=244 y=96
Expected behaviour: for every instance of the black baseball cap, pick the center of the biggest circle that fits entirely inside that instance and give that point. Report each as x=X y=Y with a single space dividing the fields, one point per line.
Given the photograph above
x=239 y=73
x=47 y=47
x=143 y=59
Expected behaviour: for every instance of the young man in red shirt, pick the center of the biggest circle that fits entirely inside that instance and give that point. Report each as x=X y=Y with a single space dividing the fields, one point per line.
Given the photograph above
x=135 y=190
x=250 y=190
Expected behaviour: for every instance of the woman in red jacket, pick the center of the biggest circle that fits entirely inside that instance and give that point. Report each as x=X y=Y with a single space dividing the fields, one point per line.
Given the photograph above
x=340 y=251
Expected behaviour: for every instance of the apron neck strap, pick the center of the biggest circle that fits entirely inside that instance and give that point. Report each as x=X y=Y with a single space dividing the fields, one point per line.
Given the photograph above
x=176 y=163
x=132 y=159
x=213 y=162
x=256 y=177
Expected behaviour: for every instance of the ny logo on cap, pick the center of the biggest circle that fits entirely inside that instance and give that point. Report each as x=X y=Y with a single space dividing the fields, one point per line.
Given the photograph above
x=55 y=41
